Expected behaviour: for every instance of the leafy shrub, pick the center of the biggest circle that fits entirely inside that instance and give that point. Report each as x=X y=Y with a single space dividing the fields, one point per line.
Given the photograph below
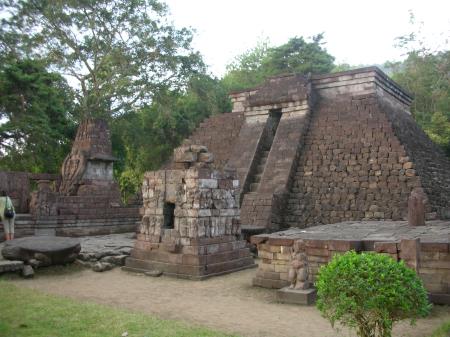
x=369 y=292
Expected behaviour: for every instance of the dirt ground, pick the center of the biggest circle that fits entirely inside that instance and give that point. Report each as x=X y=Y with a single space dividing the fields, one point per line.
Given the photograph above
x=227 y=303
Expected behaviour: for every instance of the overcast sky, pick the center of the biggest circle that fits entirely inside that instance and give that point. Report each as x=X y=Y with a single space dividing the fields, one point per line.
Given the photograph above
x=356 y=31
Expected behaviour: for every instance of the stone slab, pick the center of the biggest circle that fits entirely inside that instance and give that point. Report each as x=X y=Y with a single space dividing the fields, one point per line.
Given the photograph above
x=293 y=296
x=382 y=231
x=48 y=250
x=10 y=266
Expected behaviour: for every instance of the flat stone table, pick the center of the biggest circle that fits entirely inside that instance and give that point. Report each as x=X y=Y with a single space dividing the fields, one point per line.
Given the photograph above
x=40 y=251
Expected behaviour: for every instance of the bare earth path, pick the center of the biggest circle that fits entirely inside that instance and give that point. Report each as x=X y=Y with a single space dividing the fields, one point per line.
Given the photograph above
x=228 y=303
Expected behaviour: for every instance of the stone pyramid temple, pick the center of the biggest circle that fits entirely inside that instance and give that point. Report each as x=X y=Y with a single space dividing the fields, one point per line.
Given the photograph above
x=325 y=149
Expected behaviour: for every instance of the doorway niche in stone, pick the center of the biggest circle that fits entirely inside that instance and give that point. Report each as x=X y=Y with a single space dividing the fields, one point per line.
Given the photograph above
x=169 y=215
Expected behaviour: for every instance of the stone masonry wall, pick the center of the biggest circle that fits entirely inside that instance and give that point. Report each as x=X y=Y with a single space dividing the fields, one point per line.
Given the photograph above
x=218 y=134
x=353 y=167
x=205 y=205
x=428 y=259
x=430 y=163
x=199 y=235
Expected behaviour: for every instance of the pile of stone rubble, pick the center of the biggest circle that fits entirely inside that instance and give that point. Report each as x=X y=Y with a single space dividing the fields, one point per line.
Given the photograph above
x=105 y=252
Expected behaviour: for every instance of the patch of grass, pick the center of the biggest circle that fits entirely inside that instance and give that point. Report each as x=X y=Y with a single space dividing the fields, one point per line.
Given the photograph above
x=27 y=313
x=442 y=331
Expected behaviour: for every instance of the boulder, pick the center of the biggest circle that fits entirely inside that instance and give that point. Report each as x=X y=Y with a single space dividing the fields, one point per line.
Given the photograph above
x=117 y=260
x=27 y=271
x=154 y=273
x=102 y=266
x=42 y=250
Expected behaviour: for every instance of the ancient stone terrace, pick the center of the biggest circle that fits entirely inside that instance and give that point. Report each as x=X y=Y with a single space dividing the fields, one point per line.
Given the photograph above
x=326 y=149
x=423 y=248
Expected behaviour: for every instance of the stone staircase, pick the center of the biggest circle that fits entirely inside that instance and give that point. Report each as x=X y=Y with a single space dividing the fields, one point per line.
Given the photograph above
x=256 y=179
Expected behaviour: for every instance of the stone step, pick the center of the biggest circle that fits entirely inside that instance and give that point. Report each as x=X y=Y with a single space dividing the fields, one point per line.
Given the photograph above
x=260 y=168
x=254 y=187
x=10 y=266
x=23 y=216
x=257 y=178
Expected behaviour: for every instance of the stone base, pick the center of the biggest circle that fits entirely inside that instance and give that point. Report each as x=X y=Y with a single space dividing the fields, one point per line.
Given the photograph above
x=293 y=296
x=211 y=257
x=269 y=283
x=437 y=298
x=196 y=273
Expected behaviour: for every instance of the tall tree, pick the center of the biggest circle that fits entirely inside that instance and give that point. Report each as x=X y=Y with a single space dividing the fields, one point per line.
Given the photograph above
x=295 y=56
x=426 y=74
x=120 y=52
x=36 y=112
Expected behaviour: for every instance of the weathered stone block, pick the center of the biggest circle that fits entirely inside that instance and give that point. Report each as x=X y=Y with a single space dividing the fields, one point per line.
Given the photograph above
x=294 y=296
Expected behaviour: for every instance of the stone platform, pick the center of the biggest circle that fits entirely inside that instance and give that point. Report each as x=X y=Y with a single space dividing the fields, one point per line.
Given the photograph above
x=296 y=296
x=424 y=248
x=203 y=258
x=365 y=231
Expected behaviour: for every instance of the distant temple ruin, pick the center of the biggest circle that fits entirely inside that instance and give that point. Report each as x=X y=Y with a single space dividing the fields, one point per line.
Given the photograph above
x=83 y=200
x=325 y=149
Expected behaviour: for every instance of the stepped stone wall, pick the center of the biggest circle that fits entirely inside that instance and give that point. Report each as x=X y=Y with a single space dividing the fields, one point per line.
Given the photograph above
x=352 y=166
x=219 y=134
x=430 y=163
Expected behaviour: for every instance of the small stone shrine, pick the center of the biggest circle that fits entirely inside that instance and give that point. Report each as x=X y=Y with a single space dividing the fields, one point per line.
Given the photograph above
x=190 y=226
x=88 y=169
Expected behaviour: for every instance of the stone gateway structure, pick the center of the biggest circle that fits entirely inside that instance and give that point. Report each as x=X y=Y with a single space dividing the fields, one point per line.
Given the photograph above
x=326 y=149
x=190 y=226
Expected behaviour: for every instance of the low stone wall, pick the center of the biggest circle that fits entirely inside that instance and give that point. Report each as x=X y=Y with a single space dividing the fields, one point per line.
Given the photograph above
x=428 y=255
x=275 y=255
x=125 y=221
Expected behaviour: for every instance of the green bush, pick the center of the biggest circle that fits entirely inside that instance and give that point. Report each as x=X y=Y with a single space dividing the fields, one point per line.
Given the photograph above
x=369 y=292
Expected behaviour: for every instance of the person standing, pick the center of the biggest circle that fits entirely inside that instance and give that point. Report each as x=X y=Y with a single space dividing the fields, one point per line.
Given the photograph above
x=7 y=215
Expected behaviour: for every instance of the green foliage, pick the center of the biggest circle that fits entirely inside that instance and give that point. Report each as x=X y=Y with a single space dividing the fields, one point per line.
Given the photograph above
x=370 y=292
x=144 y=140
x=27 y=313
x=246 y=71
x=119 y=52
x=296 y=56
x=427 y=77
x=426 y=74
x=35 y=108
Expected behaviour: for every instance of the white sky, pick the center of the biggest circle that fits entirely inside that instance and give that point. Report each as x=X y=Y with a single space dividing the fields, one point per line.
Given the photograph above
x=356 y=31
